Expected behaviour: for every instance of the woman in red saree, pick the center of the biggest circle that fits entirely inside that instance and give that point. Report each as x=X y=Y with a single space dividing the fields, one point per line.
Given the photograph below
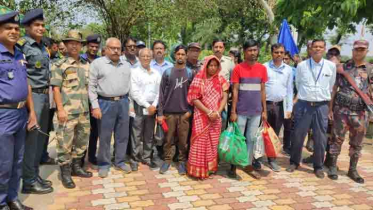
x=208 y=93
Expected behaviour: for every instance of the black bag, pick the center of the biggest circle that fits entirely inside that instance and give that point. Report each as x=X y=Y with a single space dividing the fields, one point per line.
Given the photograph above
x=159 y=135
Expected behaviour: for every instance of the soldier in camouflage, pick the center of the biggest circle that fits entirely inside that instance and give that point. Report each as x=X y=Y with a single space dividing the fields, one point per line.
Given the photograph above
x=70 y=82
x=349 y=111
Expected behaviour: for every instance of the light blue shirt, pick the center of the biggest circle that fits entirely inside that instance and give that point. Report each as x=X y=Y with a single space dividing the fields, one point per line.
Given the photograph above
x=279 y=86
x=161 y=67
x=123 y=58
x=309 y=87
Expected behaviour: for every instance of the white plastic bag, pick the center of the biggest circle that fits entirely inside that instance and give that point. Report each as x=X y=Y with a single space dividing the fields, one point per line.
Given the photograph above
x=259 y=149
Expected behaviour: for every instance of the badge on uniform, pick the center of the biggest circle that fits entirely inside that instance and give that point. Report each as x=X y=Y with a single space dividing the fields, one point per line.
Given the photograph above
x=38 y=64
x=10 y=75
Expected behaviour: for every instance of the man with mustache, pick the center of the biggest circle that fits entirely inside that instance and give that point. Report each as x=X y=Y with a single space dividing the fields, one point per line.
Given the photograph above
x=159 y=63
x=70 y=88
x=109 y=86
x=315 y=79
x=174 y=108
x=38 y=74
x=14 y=94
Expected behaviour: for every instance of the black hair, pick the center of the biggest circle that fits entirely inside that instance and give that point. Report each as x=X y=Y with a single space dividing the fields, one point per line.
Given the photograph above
x=237 y=54
x=129 y=38
x=318 y=40
x=216 y=41
x=276 y=46
x=159 y=42
x=250 y=43
x=288 y=54
x=180 y=47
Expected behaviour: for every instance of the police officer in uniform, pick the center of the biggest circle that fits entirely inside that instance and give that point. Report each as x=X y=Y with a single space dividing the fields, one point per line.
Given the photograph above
x=14 y=92
x=93 y=45
x=38 y=74
x=70 y=88
x=349 y=111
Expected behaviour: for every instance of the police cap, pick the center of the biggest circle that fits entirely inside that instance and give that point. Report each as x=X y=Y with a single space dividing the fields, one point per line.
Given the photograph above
x=11 y=17
x=94 y=38
x=35 y=14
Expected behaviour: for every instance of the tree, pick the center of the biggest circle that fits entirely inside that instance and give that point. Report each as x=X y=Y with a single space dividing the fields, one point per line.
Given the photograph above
x=313 y=18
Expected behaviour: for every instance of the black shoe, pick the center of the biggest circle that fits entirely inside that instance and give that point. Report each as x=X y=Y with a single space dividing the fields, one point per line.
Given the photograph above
x=6 y=207
x=232 y=173
x=352 y=171
x=44 y=182
x=331 y=162
x=292 y=168
x=257 y=165
x=354 y=175
x=36 y=188
x=77 y=170
x=134 y=166
x=153 y=166
x=319 y=173
x=308 y=160
x=66 y=179
x=17 y=205
x=49 y=161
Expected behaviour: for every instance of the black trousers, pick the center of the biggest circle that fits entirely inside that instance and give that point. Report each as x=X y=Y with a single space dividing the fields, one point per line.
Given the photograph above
x=275 y=117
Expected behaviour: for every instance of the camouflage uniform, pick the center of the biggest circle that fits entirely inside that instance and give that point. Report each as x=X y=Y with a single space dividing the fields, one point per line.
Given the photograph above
x=72 y=136
x=350 y=110
x=349 y=114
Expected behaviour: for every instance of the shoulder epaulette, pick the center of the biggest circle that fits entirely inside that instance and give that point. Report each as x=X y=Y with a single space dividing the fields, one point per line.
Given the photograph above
x=22 y=41
x=60 y=62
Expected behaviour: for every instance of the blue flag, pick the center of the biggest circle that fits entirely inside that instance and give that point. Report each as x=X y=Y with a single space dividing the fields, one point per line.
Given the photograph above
x=286 y=39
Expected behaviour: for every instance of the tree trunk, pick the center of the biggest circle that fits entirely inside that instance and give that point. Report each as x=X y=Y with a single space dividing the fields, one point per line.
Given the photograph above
x=271 y=19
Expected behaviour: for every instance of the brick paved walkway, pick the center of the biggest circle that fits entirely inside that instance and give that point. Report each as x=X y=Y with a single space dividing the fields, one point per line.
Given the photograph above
x=148 y=190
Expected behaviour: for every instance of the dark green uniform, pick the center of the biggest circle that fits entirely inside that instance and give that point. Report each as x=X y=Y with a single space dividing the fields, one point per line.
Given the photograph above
x=38 y=74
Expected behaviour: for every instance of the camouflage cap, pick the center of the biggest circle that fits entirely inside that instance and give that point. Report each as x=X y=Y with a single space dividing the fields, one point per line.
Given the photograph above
x=194 y=45
x=337 y=47
x=73 y=35
x=361 y=44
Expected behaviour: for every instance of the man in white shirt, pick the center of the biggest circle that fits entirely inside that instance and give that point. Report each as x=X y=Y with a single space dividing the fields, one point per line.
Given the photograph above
x=315 y=78
x=145 y=82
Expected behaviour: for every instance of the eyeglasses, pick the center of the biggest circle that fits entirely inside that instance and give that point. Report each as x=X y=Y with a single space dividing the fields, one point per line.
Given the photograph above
x=115 y=49
x=279 y=52
x=131 y=46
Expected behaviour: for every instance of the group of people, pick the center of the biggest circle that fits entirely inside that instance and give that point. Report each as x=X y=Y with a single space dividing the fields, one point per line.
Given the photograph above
x=124 y=93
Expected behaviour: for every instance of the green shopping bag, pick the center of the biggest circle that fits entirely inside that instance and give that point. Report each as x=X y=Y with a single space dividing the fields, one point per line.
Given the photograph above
x=232 y=146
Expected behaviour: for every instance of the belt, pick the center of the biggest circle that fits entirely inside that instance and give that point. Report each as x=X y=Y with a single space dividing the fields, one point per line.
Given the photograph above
x=18 y=105
x=41 y=90
x=117 y=98
x=274 y=103
x=316 y=103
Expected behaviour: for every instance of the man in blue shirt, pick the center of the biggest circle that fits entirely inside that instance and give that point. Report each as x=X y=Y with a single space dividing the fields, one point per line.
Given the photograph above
x=315 y=79
x=279 y=93
x=159 y=52
x=38 y=74
x=93 y=45
x=14 y=94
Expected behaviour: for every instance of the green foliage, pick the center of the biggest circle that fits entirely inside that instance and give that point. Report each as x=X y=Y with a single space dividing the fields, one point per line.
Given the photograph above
x=312 y=18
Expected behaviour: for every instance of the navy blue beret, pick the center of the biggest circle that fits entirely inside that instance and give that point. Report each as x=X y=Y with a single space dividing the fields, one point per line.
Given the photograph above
x=11 y=17
x=32 y=15
x=95 y=38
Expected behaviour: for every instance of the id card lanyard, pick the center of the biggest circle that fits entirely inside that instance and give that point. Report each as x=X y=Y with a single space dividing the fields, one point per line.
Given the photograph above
x=318 y=75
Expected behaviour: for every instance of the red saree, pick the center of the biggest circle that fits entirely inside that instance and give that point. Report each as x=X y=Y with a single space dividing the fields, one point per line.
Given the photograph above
x=203 y=154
